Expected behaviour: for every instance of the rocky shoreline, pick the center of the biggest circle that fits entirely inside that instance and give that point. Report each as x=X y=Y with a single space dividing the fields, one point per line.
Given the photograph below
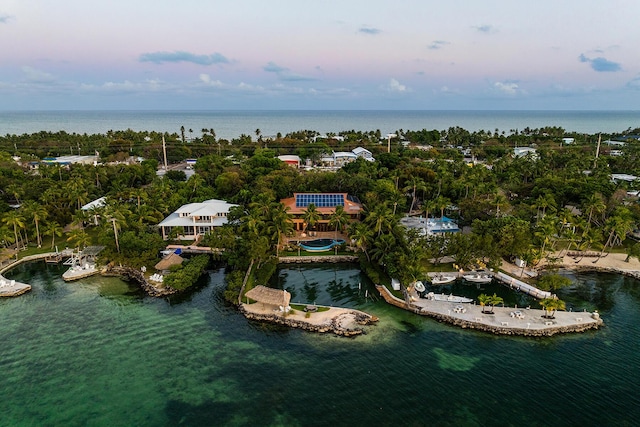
x=342 y=324
x=133 y=275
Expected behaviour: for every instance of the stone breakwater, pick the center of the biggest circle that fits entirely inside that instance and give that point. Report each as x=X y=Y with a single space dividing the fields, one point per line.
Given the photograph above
x=133 y=275
x=342 y=324
x=500 y=322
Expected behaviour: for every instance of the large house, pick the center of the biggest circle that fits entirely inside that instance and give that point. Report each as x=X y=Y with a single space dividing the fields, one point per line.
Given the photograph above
x=325 y=204
x=430 y=226
x=196 y=219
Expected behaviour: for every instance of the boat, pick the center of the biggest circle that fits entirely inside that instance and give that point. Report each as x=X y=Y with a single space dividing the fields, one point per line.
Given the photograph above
x=478 y=277
x=447 y=298
x=419 y=286
x=442 y=279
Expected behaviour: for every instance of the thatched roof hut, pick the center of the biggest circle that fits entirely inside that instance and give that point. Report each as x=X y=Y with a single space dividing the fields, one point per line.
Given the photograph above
x=168 y=262
x=269 y=296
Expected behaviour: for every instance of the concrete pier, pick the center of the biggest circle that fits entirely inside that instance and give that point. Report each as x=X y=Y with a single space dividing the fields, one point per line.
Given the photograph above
x=503 y=320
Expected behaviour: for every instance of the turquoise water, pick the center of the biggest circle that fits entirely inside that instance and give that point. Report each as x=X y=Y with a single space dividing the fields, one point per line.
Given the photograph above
x=98 y=352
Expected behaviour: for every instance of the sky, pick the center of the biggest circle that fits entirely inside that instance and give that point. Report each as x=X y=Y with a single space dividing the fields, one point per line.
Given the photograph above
x=318 y=55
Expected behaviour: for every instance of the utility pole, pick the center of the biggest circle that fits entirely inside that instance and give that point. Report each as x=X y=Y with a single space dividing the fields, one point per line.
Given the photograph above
x=389 y=136
x=595 y=161
x=164 y=151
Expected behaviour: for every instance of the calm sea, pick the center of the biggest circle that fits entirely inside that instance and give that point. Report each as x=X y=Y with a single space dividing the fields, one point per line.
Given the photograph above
x=97 y=352
x=231 y=124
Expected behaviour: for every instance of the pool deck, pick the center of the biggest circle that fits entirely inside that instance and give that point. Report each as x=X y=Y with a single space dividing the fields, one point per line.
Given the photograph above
x=524 y=321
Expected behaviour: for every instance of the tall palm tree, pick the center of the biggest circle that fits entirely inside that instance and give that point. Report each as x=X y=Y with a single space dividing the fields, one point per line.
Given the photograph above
x=361 y=236
x=338 y=219
x=415 y=183
x=595 y=205
x=281 y=223
x=16 y=220
x=381 y=218
x=311 y=216
x=52 y=229
x=115 y=214
x=38 y=212
x=79 y=238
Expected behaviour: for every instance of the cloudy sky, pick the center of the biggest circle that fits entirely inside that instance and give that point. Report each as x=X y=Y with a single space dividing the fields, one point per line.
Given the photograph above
x=320 y=54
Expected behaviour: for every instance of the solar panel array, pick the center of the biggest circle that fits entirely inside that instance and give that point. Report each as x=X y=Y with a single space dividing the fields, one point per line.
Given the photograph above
x=319 y=200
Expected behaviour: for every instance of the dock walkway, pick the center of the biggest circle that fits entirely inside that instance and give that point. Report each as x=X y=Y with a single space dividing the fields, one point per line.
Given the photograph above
x=521 y=286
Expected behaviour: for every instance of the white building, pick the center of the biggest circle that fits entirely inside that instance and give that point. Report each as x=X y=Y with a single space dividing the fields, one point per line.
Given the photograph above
x=364 y=153
x=196 y=219
x=523 y=151
x=430 y=226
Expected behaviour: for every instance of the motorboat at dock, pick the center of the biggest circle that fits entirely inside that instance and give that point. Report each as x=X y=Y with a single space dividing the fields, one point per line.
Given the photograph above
x=442 y=279
x=477 y=277
x=447 y=298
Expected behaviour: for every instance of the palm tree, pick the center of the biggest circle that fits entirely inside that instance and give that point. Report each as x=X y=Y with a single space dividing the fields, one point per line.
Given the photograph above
x=338 y=219
x=79 y=238
x=38 y=212
x=311 y=216
x=595 y=204
x=52 y=229
x=16 y=220
x=441 y=203
x=6 y=236
x=380 y=218
x=551 y=305
x=415 y=183
x=281 y=223
x=115 y=214
x=495 y=300
x=618 y=225
x=361 y=236
x=484 y=300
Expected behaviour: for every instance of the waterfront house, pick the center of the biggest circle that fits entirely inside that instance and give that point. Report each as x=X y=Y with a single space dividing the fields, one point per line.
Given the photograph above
x=196 y=219
x=325 y=204
x=430 y=226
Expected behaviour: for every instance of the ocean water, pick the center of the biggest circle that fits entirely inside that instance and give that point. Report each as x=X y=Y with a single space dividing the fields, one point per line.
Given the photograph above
x=232 y=124
x=97 y=352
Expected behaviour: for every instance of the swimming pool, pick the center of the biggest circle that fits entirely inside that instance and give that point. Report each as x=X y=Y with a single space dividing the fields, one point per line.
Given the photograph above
x=320 y=245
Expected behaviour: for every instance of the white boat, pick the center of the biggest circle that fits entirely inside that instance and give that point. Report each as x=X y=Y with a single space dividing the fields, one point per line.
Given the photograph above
x=447 y=298
x=419 y=286
x=478 y=277
x=442 y=279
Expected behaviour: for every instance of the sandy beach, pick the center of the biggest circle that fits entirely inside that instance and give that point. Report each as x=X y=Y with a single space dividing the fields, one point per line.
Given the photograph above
x=611 y=262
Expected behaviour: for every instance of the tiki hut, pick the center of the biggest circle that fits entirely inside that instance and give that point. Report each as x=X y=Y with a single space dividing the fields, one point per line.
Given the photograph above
x=270 y=296
x=166 y=263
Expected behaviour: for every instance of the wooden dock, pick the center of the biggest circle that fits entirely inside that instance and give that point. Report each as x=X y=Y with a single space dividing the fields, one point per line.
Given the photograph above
x=11 y=288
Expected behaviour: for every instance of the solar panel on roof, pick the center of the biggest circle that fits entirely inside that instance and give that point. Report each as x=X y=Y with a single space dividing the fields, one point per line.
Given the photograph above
x=319 y=200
